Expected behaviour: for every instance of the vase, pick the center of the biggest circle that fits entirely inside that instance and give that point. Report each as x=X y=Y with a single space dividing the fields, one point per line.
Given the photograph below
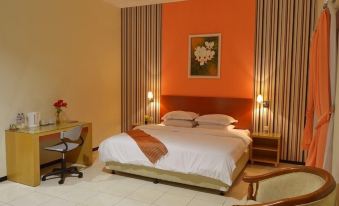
x=57 y=120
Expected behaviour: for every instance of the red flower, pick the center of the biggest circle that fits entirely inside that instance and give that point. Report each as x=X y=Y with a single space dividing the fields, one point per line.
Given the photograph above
x=59 y=104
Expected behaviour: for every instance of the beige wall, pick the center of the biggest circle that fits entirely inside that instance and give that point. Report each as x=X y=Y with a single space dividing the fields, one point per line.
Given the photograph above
x=52 y=49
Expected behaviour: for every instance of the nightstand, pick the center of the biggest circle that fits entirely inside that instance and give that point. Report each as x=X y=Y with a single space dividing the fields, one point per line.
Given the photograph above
x=266 y=148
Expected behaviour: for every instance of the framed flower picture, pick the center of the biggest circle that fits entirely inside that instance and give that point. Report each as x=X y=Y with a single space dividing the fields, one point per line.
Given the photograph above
x=204 y=56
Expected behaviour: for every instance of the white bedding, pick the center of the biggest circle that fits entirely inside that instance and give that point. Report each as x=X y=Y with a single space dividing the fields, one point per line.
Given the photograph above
x=206 y=152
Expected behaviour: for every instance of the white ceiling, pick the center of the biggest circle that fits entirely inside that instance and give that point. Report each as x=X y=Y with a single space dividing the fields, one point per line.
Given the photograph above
x=131 y=3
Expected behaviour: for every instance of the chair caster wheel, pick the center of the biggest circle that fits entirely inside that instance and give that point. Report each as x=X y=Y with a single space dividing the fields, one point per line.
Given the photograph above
x=80 y=175
x=43 y=179
x=61 y=182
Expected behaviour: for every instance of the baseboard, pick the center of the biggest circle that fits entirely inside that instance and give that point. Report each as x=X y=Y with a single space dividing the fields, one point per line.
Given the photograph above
x=95 y=149
x=2 y=179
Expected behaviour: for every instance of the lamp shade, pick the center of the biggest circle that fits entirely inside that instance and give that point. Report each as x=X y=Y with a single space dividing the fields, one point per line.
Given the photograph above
x=260 y=99
x=150 y=95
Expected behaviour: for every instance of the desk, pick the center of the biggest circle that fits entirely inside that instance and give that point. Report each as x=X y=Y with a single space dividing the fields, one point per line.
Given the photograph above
x=23 y=151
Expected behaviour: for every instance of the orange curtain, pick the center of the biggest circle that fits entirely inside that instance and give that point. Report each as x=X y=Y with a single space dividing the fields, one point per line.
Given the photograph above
x=319 y=98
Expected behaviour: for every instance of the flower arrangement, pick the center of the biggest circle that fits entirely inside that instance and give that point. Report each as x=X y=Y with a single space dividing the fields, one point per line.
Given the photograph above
x=58 y=105
x=148 y=119
x=203 y=54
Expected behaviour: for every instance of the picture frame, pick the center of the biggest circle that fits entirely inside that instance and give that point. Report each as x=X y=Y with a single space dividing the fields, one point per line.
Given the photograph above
x=204 y=56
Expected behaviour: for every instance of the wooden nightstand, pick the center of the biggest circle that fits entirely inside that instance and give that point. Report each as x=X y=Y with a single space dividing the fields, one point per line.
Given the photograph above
x=266 y=148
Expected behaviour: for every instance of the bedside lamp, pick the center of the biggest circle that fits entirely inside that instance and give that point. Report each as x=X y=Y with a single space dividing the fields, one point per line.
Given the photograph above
x=260 y=100
x=150 y=96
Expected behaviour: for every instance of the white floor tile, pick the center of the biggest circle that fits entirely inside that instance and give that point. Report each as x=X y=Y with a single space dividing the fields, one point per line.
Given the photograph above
x=14 y=191
x=197 y=202
x=55 y=189
x=103 y=200
x=58 y=202
x=31 y=199
x=146 y=195
x=215 y=198
x=183 y=192
x=229 y=201
x=129 y=202
x=157 y=187
x=78 y=195
x=172 y=199
x=119 y=189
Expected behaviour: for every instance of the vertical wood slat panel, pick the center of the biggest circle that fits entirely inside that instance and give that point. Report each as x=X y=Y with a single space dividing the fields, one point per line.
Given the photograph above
x=282 y=46
x=141 y=63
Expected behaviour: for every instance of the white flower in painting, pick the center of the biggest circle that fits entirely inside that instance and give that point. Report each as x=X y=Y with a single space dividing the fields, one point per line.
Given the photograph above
x=209 y=45
x=204 y=54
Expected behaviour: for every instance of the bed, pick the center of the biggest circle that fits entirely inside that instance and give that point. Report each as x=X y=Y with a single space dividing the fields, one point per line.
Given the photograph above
x=200 y=157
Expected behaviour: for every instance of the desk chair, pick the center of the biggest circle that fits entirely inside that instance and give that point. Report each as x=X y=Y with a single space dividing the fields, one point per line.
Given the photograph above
x=63 y=147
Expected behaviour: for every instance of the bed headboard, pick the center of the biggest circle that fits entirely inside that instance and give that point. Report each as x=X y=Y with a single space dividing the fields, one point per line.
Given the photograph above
x=239 y=108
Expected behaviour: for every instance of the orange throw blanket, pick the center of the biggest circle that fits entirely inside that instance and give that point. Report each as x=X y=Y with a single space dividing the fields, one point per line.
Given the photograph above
x=150 y=146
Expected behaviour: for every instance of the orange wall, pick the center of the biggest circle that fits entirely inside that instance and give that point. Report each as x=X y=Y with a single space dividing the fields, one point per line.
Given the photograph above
x=235 y=20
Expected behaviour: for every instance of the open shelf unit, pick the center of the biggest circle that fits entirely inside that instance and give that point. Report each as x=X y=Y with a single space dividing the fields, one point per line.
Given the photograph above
x=265 y=148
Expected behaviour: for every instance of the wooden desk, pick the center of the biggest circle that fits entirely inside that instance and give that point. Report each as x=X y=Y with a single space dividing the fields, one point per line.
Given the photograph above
x=23 y=151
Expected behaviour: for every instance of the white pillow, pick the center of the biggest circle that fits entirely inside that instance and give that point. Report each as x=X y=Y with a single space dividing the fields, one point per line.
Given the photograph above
x=182 y=115
x=215 y=126
x=220 y=119
x=179 y=123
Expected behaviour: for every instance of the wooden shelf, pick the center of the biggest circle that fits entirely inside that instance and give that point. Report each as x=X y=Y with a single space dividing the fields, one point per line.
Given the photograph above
x=266 y=135
x=265 y=148
x=265 y=160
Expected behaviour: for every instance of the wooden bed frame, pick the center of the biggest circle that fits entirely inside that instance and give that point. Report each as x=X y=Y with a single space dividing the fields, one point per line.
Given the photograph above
x=240 y=109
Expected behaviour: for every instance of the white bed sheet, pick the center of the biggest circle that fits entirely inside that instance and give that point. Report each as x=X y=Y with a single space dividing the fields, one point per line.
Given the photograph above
x=207 y=152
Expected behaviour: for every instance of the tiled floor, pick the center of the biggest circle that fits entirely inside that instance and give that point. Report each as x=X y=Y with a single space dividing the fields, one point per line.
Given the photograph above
x=100 y=188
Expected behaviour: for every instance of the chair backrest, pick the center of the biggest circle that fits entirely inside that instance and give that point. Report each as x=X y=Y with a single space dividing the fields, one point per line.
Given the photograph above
x=74 y=134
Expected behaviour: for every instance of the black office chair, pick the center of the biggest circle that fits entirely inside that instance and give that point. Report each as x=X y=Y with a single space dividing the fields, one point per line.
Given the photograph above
x=73 y=135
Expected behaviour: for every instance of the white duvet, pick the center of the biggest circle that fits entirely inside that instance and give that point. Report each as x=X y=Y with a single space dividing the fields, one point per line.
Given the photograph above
x=206 y=152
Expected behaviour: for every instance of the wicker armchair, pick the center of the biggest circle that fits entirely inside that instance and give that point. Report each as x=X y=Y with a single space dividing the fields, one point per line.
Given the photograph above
x=305 y=186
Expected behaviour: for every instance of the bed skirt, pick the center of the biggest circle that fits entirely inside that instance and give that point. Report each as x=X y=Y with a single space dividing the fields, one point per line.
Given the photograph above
x=177 y=177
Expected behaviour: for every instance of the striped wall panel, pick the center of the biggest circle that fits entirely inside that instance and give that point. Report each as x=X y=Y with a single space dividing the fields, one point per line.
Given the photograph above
x=283 y=34
x=141 y=63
